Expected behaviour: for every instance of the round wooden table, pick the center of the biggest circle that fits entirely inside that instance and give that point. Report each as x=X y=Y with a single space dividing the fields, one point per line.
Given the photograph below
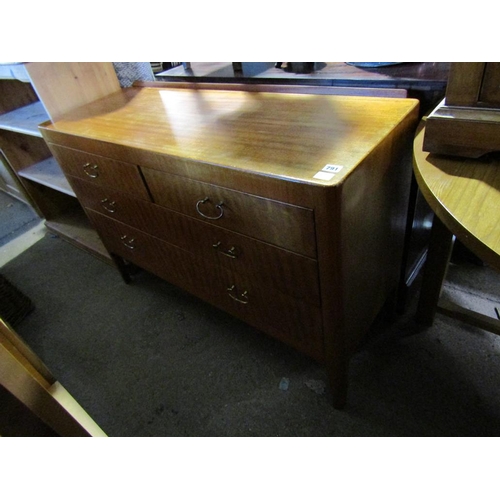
x=464 y=195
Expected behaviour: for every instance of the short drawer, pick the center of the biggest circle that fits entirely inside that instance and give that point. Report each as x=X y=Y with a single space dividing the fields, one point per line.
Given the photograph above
x=101 y=171
x=291 y=320
x=292 y=273
x=281 y=224
x=140 y=248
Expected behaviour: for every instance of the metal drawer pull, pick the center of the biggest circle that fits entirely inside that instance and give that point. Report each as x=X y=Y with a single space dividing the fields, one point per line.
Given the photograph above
x=231 y=253
x=243 y=298
x=109 y=206
x=218 y=206
x=129 y=243
x=91 y=170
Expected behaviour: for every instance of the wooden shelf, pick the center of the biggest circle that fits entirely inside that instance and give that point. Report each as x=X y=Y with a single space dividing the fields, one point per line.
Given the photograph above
x=33 y=93
x=14 y=71
x=25 y=120
x=74 y=226
x=49 y=173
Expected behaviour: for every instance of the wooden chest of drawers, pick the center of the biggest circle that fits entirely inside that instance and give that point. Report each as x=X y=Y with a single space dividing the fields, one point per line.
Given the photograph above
x=287 y=211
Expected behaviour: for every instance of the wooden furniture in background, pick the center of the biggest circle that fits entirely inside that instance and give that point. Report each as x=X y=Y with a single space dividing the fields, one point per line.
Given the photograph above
x=9 y=182
x=287 y=211
x=467 y=121
x=422 y=80
x=281 y=89
x=33 y=402
x=464 y=194
x=30 y=94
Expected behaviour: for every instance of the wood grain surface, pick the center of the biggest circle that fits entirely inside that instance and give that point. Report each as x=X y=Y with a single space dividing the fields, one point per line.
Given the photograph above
x=465 y=194
x=287 y=135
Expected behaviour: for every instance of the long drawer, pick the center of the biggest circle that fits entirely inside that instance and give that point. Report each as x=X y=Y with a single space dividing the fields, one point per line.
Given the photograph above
x=289 y=272
x=101 y=171
x=281 y=224
x=289 y=319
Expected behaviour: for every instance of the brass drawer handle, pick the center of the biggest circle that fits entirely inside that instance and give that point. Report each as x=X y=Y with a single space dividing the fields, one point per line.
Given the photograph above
x=129 y=243
x=109 y=206
x=91 y=170
x=243 y=297
x=231 y=253
x=218 y=206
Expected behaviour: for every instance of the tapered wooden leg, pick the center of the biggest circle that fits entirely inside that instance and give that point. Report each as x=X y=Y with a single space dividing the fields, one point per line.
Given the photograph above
x=122 y=268
x=436 y=266
x=338 y=370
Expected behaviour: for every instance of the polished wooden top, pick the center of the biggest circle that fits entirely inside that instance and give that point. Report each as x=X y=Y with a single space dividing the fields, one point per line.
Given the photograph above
x=465 y=194
x=286 y=135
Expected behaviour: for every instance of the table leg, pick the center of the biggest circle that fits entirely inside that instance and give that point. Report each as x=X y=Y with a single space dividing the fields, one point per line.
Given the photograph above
x=122 y=268
x=436 y=266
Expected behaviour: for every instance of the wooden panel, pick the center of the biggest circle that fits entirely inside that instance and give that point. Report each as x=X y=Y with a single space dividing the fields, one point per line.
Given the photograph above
x=469 y=316
x=462 y=131
x=101 y=171
x=289 y=272
x=49 y=173
x=374 y=206
x=25 y=355
x=9 y=181
x=63 y=87
x=14 y=71
x=23 y=151
x=14 y=95
x=24 y=376
x=464 y=83
x=33 y=394
x=490 y=88
x=290 y=320
x=284 y=225
x=73 y=226
x=25 y=120
x=17 y=421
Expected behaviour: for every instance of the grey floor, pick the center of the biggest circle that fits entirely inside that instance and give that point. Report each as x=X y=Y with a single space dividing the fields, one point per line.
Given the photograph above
x=16 y=218
x=147 y=359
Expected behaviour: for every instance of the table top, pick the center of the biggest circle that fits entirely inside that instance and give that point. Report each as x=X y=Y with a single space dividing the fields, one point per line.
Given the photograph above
x=289 y=136
x=465 y=194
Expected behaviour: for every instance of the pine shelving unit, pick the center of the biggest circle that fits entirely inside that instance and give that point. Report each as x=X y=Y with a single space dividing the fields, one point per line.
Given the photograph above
x=33 y=93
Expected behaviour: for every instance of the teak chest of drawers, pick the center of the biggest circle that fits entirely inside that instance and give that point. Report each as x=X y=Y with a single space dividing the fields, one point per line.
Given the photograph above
x=285 y=210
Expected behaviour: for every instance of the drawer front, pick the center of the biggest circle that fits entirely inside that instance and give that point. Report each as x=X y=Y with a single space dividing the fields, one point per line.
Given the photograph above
x=281 y=224
x=289 y=272
x=291 y=320
x=101 y=171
